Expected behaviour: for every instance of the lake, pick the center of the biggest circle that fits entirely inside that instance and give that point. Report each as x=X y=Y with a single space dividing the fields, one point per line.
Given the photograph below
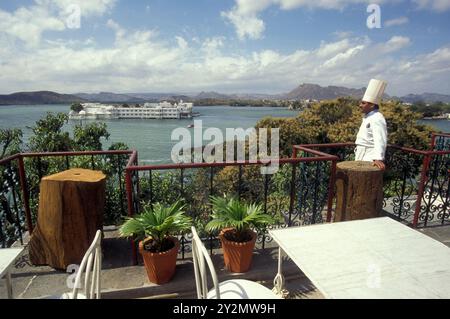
x=152 y=138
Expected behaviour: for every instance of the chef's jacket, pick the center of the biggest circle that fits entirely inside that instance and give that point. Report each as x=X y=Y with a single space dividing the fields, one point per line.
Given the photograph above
x=373 y=135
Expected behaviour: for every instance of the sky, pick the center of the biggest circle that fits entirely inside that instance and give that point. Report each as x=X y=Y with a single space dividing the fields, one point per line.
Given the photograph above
x=228 y=46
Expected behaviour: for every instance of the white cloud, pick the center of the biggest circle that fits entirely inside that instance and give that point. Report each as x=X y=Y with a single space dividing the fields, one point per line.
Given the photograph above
x=140 y=60
x=394 y=44
x=396 y=21
x=29 y=23
x=245 y=13
x=247 y=25
x=435 y=5
x=88 y=7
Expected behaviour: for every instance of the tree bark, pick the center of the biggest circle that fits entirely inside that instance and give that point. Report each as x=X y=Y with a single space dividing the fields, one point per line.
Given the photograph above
x=71 y=206
x=359 y=191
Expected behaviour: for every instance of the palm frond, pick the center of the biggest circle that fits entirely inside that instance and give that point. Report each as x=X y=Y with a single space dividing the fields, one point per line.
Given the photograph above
x=157 y=221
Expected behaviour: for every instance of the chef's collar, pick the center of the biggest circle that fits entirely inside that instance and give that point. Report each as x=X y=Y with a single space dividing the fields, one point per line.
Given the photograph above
x=371 y=113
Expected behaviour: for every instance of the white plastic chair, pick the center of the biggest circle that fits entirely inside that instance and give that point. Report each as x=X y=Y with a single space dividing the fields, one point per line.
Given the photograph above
x=230 y=289
x=90 y=265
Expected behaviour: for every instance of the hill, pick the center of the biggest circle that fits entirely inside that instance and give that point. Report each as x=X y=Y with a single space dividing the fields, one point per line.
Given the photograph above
x=40 y=97
x=109 y=97
x=317 y=92
x=426 y=97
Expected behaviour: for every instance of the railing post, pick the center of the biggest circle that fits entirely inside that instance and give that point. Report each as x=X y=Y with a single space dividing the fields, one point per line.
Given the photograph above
x=433 y=141
x=25 y=194
x=331 y=190
x=129 y=189
x=421 y=190
x=292 y=194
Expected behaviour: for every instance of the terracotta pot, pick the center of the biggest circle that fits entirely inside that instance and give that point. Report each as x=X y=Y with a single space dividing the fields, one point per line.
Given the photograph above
x=237 y=256
x=160 y=266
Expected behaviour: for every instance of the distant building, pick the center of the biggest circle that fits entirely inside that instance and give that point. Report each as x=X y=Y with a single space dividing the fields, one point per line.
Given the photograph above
x=163 y=110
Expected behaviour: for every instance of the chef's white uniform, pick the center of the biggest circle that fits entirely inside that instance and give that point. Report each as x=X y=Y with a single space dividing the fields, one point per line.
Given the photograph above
x=371 y=140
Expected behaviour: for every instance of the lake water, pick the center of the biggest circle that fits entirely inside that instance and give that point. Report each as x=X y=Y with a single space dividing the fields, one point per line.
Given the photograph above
x=152 y=138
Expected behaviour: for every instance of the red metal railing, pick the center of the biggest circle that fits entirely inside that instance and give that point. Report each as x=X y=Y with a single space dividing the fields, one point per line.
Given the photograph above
x=313 y=154
x=317 y=156
x=424 y=171
x=18 y=159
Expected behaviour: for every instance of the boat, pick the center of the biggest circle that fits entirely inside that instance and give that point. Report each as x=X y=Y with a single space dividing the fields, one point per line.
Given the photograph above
x=190 y=126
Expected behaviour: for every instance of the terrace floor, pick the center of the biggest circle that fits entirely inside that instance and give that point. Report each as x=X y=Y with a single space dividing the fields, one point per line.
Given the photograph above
x=120 y=280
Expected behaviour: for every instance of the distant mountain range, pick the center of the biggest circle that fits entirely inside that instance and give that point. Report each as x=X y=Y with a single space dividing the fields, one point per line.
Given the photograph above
x=40 y=97
x=426 y=97
x=304 y=91
x=317 y=92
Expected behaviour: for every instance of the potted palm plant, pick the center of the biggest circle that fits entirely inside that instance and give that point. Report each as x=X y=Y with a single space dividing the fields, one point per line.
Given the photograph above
x=156 y=229
x=235 y=220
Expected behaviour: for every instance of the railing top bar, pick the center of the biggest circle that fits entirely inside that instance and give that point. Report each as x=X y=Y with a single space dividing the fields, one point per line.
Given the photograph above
x=441 y=134
x=410 y=150
x=49 y=154
x=224 y=164
x=439 y=152
x=329 y=145
x=8 y=159
x=307 y=148
x=337 y=145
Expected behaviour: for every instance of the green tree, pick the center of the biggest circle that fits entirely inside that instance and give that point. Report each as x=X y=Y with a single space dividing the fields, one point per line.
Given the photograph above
x=10 y=142
x=338 y=121
x=49 y=136
x=76 y=107
x=88 y=137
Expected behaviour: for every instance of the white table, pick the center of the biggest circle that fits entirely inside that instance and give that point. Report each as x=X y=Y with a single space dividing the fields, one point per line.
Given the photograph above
x=372 y=258
x=7 y=258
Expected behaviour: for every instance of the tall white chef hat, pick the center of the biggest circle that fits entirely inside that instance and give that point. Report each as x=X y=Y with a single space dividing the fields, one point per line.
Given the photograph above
x=375 y=91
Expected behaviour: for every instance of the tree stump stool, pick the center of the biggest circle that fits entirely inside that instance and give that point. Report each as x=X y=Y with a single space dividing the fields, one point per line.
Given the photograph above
x=71 y=206
x=359 y=191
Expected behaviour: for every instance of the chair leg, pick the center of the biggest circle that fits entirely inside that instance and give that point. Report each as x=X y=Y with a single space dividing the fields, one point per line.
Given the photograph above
x=278 y=282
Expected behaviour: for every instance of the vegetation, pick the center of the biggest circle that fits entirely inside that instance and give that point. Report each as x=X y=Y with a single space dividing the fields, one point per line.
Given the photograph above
x=10 y=142
x=431 y=110
x=158 y=223
x=231 y=213
x=76 y=107
x=338 y=121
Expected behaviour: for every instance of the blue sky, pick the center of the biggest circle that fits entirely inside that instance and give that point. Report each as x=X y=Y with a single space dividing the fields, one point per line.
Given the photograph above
x=258 y=46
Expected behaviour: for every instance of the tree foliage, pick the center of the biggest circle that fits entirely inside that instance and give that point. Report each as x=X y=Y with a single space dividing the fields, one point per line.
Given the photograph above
x=339 y=120
x=48 y=134
x=10 y=142
x=88 y=137
x=76 y=107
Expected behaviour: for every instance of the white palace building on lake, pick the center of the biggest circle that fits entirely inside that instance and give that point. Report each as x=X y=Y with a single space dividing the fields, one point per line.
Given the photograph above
x=162 y=110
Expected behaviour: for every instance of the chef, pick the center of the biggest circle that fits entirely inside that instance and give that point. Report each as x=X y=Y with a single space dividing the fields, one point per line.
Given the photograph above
x=371 y=140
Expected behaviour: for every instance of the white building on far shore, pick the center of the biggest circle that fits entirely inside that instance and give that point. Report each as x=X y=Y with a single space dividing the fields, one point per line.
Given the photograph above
x=163 y=110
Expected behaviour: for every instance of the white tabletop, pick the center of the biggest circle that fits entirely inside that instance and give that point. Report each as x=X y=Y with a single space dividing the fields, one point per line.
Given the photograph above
x=372 y=258
x=7 y=257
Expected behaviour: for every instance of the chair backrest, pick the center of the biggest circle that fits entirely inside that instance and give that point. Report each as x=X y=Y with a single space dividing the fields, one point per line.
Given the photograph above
x=200 y=256
x=90 y=265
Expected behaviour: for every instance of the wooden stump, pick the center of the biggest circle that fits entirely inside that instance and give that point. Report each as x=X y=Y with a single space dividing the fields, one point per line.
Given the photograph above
x=71 y=206
x=359 y=191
